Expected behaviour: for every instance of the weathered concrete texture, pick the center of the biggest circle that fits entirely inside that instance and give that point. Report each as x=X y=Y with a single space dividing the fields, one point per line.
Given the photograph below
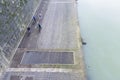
x=60 y=33
x=14 y=77
x=42 y=76
x=57 y=29
x=36 y=57
x=15 y=16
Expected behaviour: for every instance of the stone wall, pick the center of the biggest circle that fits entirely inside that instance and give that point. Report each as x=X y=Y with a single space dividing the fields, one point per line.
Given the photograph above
x=15 y=16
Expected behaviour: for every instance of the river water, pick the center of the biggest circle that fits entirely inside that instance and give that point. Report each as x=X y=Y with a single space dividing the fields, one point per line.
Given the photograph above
x=100 y=28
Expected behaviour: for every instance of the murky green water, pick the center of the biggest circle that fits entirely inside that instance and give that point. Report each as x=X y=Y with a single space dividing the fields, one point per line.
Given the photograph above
x=100 y=28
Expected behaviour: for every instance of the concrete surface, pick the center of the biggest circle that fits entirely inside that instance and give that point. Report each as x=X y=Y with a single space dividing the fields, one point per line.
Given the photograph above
x=42 y=76
x=35 y=57
x=57 y=29
x=60 y=33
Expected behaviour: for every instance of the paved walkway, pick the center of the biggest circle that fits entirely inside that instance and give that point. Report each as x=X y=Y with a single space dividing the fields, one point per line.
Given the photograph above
x=59 y=28
x=60 y=33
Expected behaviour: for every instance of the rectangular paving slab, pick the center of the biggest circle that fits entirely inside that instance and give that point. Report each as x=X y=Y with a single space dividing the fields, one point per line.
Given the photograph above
x=16 y=77
x=42 y=76
x=36 y=57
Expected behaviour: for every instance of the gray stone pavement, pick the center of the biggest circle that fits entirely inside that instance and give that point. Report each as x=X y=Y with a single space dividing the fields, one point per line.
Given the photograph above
x=42 y=76
x=60 y=33
x=57 y=28
x=35 y=57
x=39 y=16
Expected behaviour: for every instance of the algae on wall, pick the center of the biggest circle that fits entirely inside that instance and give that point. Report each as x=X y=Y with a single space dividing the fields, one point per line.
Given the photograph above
x=15 y=15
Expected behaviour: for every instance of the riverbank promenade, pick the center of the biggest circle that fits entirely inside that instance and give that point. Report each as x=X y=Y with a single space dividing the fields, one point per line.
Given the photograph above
x=55 y=52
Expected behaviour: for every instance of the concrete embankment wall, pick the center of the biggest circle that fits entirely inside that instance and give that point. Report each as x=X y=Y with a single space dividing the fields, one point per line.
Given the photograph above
x=15 y=16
